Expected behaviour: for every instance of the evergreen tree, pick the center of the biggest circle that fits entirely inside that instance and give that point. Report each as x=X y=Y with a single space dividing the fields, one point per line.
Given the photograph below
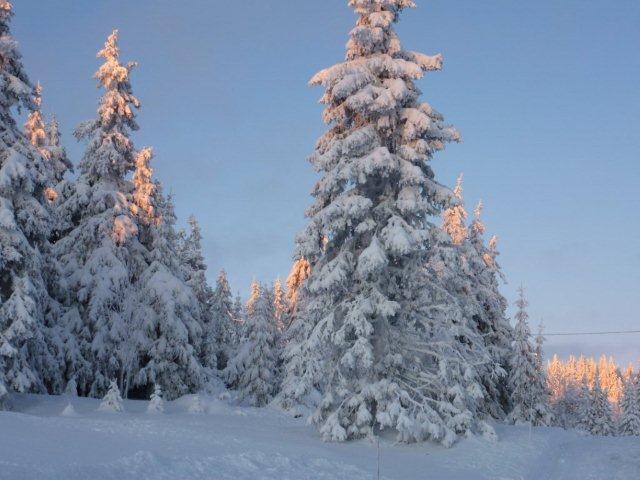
x=298 y=275
x=238 y=315
x=630 y=407
x=599 y=417
x=100 y=254
x=529 y=399
x=223 y=309
x=253 y=370
x=60 y=163
x=455 y=217
x=112 y=401
x=71 y=389
x=25 y=223
x=56 y=166
x=166 y=312
x=470 y=272
x=156 y=404
x=281 y=307
x=389 y=344
x=195 y=271
x=584 y=403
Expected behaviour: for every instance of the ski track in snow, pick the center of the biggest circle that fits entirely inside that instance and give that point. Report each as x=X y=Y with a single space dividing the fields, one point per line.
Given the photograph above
x=229 y=442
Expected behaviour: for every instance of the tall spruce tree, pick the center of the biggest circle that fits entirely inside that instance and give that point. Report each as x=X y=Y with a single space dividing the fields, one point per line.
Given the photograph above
x=599 y=417
x=222 y=309
x=252 y=371
x=100 y=253
x=383 y=356
x=529 y=399
x=490 y=314
x=46 y=139
x=166 y=313
x=460 y=263
x=300 y=271
x=24 y=229
x=281 y=307
x=629 y=423
x=195 y=271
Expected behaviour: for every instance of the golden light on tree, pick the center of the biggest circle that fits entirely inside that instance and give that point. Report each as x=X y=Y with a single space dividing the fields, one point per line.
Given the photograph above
x=455 y=217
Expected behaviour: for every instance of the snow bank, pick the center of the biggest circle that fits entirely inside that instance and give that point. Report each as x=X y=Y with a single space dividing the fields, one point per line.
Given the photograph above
x=36 y=442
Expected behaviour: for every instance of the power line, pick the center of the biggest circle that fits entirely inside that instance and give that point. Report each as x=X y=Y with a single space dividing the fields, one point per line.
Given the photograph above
x=565 y=334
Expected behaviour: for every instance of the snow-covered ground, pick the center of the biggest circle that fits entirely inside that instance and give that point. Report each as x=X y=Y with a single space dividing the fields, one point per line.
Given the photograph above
x=227 y=442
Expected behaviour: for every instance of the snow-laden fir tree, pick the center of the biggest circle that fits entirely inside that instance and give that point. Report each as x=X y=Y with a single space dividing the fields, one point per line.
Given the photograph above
x=599 y=417
x=43 y=138
x=195 y=271
x=468 y=270
x=456 y=216
x=490 y=317
x=156 y=403
x=112 y=401
x=24 y=229
x=166 y=321
x=529 y=399
x=58 y=159
x=300 y=271
x=583 y=404
x=384 y=357
x=253 y=370
x=71 y=389
x=564 y=395
x=222 y=309
x=452 y=307
x=629 y=423
x=99 y=252
x=280 y=306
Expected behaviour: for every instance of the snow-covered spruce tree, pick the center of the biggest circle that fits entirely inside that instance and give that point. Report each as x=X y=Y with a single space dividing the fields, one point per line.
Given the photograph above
x=166 y=314
x=583 y=404
x=387 y=358
x=455 y=217
x=599 y=417
x=100 y=254
x=57 y=164
x=629 y=423
x=195 y=271
x=222 y=309
x=529 y=399
x=451 y=303
x=156 y=404
x=564 y=394
x=58 y=159
x=298 y=275
x=463 y=265
x=112 y=401
x=491 y=317
x=253 y=370
x=281 y=307
x=24 y=228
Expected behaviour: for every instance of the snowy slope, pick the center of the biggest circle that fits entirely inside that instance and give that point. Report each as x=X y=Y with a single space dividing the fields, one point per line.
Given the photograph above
x=227 y=442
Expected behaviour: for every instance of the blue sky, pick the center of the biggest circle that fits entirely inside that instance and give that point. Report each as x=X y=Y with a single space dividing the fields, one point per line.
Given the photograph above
x=544 y=93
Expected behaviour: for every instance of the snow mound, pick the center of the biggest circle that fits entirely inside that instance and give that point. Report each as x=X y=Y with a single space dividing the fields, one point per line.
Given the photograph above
x=69 y=411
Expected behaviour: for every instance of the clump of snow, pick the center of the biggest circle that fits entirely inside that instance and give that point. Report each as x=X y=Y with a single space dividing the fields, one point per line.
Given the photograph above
x=69 y=411
x=195 y=405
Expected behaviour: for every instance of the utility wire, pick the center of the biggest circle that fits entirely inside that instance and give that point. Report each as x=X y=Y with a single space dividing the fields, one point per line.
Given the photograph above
x=564 y=334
